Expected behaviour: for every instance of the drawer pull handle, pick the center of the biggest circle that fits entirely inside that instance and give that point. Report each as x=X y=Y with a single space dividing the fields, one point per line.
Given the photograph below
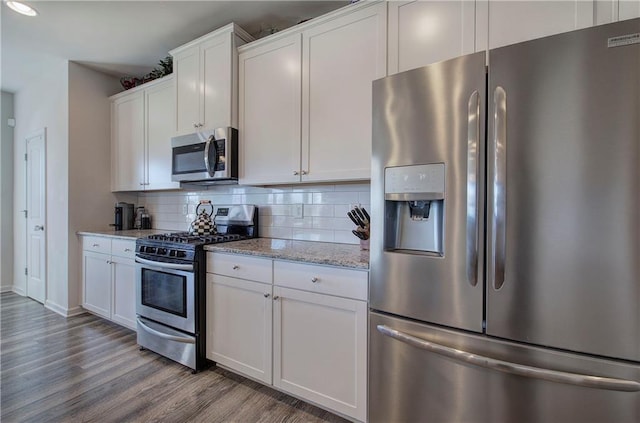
x=236 y=267
x=314 y=279
x=109 y=262
x=127 y=250
x=95 y=245
x=276 y=297
x=267 y=295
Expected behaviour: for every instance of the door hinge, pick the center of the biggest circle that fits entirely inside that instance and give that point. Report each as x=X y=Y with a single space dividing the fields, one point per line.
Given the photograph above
x=25 y=157
x=26 y=271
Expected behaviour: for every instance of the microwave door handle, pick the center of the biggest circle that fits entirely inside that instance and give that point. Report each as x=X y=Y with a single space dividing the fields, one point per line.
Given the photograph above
x=207 y=145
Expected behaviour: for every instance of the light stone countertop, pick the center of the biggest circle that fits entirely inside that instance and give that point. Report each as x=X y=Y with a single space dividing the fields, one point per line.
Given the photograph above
x=326 y=253
x=130 y=234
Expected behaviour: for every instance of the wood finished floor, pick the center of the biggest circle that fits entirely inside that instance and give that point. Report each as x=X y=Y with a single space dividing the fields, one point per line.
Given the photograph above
x=86 y=369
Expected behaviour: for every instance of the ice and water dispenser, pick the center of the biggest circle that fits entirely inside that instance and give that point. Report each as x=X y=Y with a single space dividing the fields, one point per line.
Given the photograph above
x=414 y=209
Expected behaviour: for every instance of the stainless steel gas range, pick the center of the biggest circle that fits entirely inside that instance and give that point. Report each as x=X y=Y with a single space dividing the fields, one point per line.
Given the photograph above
x=170 y=285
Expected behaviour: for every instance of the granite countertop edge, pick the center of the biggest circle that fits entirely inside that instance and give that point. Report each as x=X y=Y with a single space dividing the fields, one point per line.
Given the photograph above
x=128 y=234
x=312 y=252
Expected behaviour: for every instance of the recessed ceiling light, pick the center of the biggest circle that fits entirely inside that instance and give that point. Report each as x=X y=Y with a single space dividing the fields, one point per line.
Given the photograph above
x=21 y=8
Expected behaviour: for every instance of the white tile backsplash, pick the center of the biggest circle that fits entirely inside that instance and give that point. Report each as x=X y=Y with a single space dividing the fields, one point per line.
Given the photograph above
x=324 y=218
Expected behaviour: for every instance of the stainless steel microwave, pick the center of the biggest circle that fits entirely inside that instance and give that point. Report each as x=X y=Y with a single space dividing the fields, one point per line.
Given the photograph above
x=205 y=157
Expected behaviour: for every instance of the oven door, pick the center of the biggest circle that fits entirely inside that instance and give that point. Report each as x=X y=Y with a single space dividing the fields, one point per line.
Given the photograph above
x=165 y=293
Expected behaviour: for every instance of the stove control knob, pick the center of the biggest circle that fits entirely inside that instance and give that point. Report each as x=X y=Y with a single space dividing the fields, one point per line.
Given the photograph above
x=151 y=250
x=172 y=253
x=162 y=251
x=180 y=254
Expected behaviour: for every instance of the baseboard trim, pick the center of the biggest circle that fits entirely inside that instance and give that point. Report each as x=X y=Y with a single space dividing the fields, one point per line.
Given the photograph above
x=6 y=288
x=66 y=312
x=19 y=291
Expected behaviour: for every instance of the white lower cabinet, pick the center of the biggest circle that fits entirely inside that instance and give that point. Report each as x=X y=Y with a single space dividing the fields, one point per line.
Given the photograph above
x=300 y=327
x=239 y=325
x=108 y=279
x=320 y=349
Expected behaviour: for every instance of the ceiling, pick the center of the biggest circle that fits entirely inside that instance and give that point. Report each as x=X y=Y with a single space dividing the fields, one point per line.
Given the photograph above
x=128 y=38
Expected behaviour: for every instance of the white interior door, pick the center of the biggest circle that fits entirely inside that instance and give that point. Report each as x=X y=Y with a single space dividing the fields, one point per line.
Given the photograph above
x=36 y=216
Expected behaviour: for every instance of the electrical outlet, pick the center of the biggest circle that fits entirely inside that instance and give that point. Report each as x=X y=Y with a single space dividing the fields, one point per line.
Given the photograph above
x=298 y=211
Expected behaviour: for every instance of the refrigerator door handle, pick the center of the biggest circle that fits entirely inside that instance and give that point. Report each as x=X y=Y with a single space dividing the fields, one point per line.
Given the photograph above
x=498 y=235
x=588 y=381
x=473 y=132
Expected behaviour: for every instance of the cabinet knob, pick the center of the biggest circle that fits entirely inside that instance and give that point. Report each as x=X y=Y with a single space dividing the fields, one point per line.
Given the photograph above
x=314 y=279
x=276 y=297
x=109 y=262
x=304 y=172
x=295 y=172
x=95 y=245
x=127 y=250
x=267 y=295
x=236 y=267
x=195 y=125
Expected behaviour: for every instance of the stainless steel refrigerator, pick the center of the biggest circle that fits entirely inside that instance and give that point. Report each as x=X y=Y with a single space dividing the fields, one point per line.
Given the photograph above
x=505 y=247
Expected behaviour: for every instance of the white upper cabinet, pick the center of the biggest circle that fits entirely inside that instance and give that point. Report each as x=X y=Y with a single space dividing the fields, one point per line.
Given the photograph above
x=270 y=102
x=340 y=60
x=501 y=23
x=160 y=109
x=206 y=80
x=628 y=9
x=424 y=32
x=127 y=142
x=305 y=98
x=141 y=137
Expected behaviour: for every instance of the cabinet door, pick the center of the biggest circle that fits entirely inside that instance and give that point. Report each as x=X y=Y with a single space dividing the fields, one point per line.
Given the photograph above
x=124 y=292
x=186 y=67
x=320 y=349
x=629 y=9
x=425 y=32
x=340 y=60
x=96 y=279
x=127 y=143
x=511 y=22
x=160 y=109
x=269 y=101
x=216 y=73
x=239 y=325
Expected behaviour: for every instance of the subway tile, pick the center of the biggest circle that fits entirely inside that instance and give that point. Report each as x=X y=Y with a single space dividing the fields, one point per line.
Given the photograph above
x=313 y=235
x=318 y=210
x=333 y=223
x=275 y=232
x=364 y=197
x=345 y=237
x=335 y=197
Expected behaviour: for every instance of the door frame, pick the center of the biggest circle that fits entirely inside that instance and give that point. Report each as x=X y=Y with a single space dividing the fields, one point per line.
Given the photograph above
x=38 y=133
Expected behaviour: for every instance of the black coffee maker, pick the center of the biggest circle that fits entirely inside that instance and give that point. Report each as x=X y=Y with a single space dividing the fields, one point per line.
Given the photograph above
x=124 y=217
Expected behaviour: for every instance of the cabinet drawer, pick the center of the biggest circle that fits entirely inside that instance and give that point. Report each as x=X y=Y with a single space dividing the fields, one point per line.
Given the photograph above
x=123 y=248
x=321 y=279
x=97 y=244
x=239 y=266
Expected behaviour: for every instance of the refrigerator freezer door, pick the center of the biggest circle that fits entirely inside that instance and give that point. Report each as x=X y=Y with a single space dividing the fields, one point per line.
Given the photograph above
x=563 y=192
x=409 y=382
x=431 y=118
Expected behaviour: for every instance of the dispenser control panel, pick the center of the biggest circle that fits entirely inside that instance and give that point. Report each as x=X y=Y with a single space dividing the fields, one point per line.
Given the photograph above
x=427 y=178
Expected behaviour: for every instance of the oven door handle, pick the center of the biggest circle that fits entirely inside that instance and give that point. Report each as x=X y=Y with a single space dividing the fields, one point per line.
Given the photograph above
x=163 y=265
x=162 y=335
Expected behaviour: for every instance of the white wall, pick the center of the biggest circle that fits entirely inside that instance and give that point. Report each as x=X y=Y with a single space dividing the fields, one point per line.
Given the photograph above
x=324 y=218
x=6 y=193
x=70 y=101
x=44 y=104
x=90 y=199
